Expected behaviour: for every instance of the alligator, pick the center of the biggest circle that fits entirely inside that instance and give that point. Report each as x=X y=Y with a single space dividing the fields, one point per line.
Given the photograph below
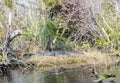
x=52 y=53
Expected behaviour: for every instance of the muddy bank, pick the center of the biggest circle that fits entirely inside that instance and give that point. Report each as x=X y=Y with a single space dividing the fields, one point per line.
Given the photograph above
x=64 y=59
x=74 y=59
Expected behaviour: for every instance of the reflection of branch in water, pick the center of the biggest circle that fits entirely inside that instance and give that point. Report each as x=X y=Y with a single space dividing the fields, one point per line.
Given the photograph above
x=104 y=78
x=5 y=79
x=94 y=73
x=58 y=70
x=4 y=70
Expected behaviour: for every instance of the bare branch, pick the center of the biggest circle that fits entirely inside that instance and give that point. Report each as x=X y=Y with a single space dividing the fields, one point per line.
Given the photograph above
x=15 y=34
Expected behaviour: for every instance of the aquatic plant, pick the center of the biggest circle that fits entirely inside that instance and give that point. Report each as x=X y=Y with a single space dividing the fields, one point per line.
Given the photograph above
x=105 y=76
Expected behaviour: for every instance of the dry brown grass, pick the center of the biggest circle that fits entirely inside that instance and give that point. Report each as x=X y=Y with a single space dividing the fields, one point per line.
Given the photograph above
x=89 y=58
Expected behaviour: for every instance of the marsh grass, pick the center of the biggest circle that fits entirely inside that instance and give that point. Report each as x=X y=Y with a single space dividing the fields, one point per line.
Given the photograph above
x=89 y=58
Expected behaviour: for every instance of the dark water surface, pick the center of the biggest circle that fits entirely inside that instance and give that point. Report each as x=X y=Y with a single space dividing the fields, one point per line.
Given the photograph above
x=76 y=75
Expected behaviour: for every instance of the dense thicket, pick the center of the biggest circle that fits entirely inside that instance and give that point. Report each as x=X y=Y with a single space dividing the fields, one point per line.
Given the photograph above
x=62 y=24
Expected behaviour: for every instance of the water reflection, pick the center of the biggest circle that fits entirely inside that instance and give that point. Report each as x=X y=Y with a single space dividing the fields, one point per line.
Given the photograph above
x=67 y=76
x=5 y=79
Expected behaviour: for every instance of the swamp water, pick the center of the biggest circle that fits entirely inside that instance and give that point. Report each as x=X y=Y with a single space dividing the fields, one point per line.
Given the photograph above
x=75 y=75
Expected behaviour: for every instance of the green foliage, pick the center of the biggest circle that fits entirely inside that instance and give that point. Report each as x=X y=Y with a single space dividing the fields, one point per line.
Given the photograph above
x=51 y=3
x=32 y=28
x=112 y=28
x=9 y=3
x=102 y=42
x=46 y=33
x=85 y=46
x=45 y=30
